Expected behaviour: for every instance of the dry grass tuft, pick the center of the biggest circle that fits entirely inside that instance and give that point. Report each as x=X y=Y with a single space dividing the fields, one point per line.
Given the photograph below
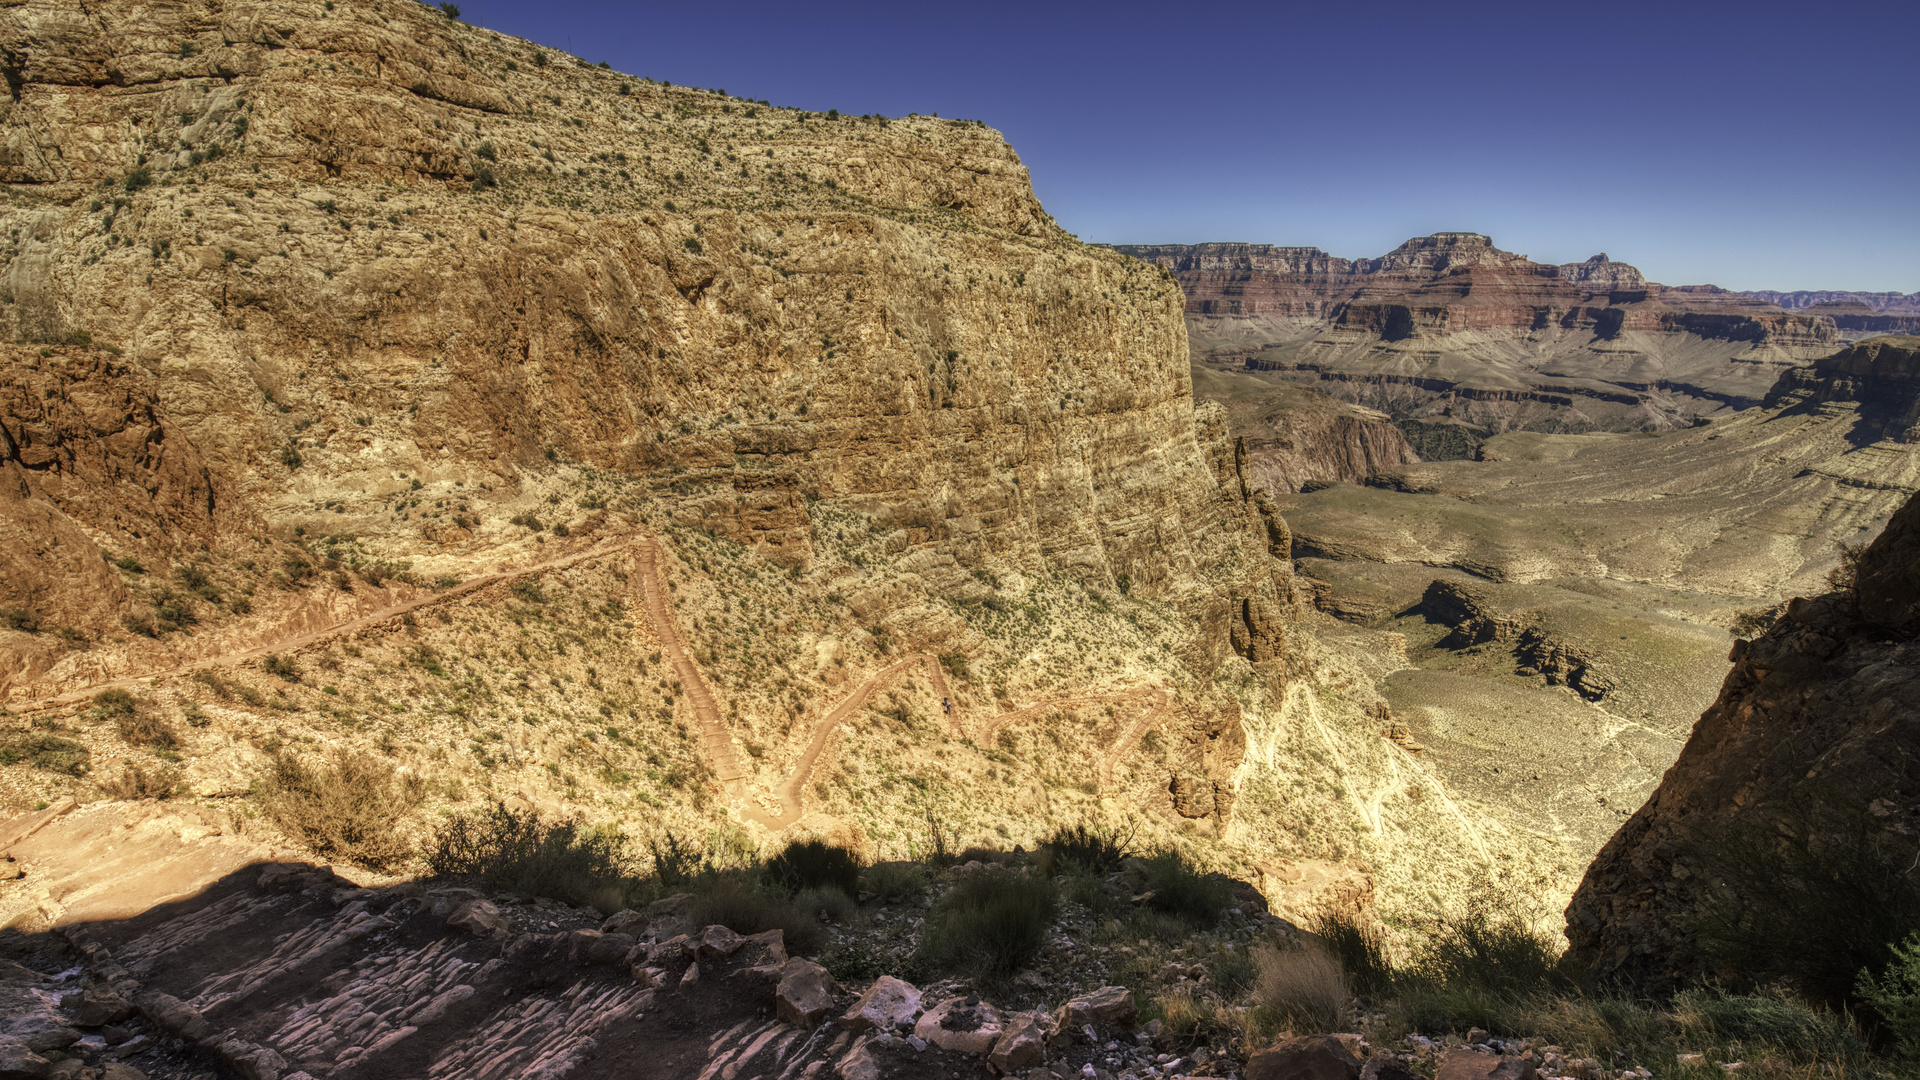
x=1304 y=986
x=348 y=808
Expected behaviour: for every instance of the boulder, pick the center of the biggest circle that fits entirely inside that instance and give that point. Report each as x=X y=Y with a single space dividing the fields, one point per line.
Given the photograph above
x=1384 y=1066
x=116 y=1070
x=672 y=915
x=1022 y=1044
x=1461 y=1063
x=19 y=1063
x=624 y=921
x=1109 y=1006
x=479 y=918
x=718 y=942
x=762 y=949
x=670 y=950
x=1305 y=1057
x=805 y=994
x=964 y=1025
x=889 y=1003
x=857 y=1064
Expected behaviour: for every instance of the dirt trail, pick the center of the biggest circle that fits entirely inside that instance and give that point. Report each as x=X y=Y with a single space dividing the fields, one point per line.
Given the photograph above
x=1132 y=734
x=984 y=738
x=715 y=739
x=311 y=637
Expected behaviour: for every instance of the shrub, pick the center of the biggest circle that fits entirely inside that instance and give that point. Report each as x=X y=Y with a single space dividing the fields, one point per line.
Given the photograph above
x=1493 y=954
x=1177 y=888
x=135 y=782
x=282 y=666
x=733 y=902
x=146 y=729
x=1304 y=986
x=989 y=925
x=1774 y=1020
x=893 y=882
x=1088 y=847
x=21 y=619
x=1359 y=947
x=811 y=864
x=519 y=852
x=1895 y=994
x=349 y=808
x=49 y=752
x=137 y=179
x=108 y=704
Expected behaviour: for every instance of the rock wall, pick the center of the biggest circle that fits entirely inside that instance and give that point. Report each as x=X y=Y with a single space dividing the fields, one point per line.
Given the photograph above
x=359 y=248
x=1882 y=376
x=1802 y=763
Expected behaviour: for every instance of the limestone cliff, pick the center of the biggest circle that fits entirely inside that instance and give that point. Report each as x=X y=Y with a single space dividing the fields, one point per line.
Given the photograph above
x=1458 y=339
x=1882 y=376
x=1795 y=793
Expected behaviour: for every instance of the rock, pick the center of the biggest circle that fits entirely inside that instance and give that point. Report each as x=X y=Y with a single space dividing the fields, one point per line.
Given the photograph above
x=608 y=948
x=670 y=950
x=97 y=1007
x=718 y=942
x=769 y=947
x=690 y=976
x=117 y=1070
x=889 y=1003
x=1022 y=1043
x=444 y=902
x=1385 y=1066
x=1305 y=1057
x=671 y=916
x=19 y=1063
x=1109 y=1006
x=436 y=1008
x=624 y=921
x=480 y=918
x=1462 y=1063
x=962 y=1025
x=805 y=994
x=170 y=1014
x=649 y=977
x=857 y=1064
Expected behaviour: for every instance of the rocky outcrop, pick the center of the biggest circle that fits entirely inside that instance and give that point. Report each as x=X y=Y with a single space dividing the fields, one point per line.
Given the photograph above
x=1793 y=794
x=1885 y=303
x=1881 y=376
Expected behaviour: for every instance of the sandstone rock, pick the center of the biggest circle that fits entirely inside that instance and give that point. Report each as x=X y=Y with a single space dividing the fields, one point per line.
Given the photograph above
x=805 y=994
x=718 y=942
x=671 y=916
x=690 y=976
x=118 y=1070
x=769 y=947
x=625 y=921
x=964 y=1025
x=96 y=1007
x=1385 y=1066
x=857 y=1064
x=888 y=1004
x=480 y=918
x=1021 y=1044
x=172 y=1015
x=608 y=948
x=1306 y=1057
x=670 y=950
x=649 y=977
x=1461 y=1063
x=1109 y=1006
x=19 y=1063
x=436 y=1008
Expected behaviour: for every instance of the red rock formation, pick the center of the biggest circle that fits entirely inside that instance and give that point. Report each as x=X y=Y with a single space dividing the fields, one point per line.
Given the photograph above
x=1459 y=281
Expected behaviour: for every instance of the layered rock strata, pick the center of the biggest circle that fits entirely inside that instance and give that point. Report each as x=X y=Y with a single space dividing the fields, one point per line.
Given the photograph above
x=1798 y=765
x=1881 y=377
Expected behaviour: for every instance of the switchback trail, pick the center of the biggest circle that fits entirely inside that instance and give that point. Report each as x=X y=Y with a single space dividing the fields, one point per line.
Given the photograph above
x=311 y=637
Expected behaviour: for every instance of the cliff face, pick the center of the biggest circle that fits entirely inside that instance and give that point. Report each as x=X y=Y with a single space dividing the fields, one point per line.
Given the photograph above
x=1458 y=340
x=1794 y=790
x=1881 y=375
x=350 y=250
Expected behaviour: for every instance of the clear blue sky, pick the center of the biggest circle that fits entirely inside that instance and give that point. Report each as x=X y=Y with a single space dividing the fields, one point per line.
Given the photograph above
x=1752 y=145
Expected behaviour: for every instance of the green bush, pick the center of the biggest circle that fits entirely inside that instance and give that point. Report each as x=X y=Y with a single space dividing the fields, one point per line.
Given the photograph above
x=893 y=882
x=49 y=752
x=1174 y=886
x=1483 y=954
x=1096 y=850
x=518 y=852
x=990 y=925
x=811 y=864
x=351 y=807
x=1895 y=994
x=1777 y=1021
x=116 y=702
x=731 y=900
x=282 y=666
x=1359 y=947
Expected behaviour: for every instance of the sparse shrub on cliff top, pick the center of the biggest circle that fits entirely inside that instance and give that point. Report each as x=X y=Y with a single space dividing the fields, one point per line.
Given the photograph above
x=811 y=864
x=137 y=782
x=517 y=851
x=990 y=925
x=893 y=882
x=350 y=807
x=1360 y=948
x=1089 y=847
x=21 y=619
x=282 y=666
x=1176 y=887
x=731 y=900
x=1302 y=986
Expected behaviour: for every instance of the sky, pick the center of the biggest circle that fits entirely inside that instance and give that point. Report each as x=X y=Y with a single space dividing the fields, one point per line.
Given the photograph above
x=1752 y=145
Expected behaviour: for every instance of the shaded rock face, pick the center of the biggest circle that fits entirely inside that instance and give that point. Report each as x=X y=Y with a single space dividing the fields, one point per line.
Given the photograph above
x=1799 y=768
x=1881 y=375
